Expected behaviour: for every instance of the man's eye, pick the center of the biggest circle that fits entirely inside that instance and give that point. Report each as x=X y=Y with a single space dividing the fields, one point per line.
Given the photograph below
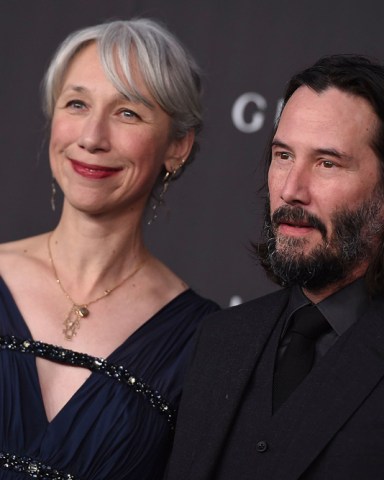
x=328 y=164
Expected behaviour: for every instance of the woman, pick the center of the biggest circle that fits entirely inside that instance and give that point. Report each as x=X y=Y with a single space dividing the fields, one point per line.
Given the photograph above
x=123 y=103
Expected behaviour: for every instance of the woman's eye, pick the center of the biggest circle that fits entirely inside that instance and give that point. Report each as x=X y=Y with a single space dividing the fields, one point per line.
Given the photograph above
x=128 y=114
x=75 y=104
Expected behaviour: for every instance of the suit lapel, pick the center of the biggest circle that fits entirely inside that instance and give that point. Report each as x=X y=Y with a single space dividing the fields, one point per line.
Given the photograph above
x=329 y=396
x=235 y=353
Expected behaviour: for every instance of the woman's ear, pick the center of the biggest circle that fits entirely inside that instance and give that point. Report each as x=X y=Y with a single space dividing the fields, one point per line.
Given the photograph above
x=179 y=151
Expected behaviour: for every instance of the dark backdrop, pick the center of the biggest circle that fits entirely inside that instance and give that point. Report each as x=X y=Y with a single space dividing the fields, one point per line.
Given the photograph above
x=247 y=49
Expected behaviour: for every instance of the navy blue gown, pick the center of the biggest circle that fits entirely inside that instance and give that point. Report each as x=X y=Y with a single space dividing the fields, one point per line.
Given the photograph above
x=119 y=423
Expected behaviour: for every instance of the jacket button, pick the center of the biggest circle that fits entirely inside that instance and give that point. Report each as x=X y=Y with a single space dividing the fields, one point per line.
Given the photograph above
x=262 y=446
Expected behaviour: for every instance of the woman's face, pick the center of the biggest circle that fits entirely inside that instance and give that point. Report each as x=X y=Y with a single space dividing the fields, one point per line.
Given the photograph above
x=105 y=151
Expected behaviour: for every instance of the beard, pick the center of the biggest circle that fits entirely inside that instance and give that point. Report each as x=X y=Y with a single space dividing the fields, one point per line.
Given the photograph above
x=353 y=241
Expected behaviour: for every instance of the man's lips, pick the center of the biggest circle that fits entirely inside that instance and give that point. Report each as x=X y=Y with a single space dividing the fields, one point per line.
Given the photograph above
x=296 y=221
x=93 y=171
x=293 y=228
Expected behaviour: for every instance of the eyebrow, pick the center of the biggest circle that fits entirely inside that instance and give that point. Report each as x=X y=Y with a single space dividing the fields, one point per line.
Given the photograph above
x=332 y=152
x=75 y=88
x=118 y=97
x=81 y=89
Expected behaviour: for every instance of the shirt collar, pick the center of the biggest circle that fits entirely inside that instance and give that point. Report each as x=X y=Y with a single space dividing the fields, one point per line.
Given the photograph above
x=341 y=309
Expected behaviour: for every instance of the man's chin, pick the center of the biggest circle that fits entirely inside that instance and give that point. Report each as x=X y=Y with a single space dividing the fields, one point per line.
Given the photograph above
x=294 y=248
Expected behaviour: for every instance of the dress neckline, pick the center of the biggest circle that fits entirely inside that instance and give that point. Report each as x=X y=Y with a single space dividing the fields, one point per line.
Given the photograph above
x=9 y=300
x=112 y=357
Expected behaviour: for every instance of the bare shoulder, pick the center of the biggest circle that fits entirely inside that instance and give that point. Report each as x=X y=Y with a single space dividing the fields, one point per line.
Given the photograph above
x=19 y=257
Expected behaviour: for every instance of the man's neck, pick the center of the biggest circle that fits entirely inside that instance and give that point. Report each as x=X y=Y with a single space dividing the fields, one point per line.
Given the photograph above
x=319 y=295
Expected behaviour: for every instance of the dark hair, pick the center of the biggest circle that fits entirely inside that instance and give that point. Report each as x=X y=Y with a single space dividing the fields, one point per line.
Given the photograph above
x=355 y=74
x=360 y=76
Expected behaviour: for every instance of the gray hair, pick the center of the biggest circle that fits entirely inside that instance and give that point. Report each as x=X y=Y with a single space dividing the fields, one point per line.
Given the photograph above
x=169 y=72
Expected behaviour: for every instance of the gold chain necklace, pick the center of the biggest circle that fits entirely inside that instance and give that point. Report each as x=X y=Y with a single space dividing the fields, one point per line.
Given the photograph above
x=79 y=311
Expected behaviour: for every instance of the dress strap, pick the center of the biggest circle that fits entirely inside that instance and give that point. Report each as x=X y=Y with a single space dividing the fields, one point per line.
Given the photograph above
x=95 y=364
x=32 y=468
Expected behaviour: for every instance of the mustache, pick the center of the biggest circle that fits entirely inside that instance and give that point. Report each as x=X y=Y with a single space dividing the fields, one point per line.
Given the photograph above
x=287 y=214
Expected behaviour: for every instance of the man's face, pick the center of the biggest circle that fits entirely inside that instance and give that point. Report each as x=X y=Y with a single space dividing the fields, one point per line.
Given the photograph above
x=323 y=183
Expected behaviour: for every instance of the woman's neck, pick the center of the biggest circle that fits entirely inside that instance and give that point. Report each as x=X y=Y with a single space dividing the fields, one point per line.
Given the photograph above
x=92 y=253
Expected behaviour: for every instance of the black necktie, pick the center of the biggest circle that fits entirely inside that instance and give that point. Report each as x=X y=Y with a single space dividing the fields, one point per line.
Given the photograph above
x=307 y=325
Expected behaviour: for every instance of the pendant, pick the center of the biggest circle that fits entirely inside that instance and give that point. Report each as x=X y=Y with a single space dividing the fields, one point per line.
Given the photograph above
x=72 y=322
x=82 y=311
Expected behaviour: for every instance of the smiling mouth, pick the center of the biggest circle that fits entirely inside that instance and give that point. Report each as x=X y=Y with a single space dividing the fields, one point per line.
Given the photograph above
x=94 y=171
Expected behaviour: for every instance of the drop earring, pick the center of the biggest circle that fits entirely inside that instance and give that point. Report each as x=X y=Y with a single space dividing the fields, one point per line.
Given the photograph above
x=158 y=202
x=53 y=194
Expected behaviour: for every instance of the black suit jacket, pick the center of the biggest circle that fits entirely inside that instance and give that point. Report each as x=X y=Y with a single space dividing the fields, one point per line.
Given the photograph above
x=332 y=426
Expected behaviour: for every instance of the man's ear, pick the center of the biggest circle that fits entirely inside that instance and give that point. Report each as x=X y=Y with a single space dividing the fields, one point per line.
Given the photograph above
x=179 y=151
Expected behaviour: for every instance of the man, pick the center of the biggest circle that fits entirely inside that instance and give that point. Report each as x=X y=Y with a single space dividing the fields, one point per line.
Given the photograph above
x=255 y=406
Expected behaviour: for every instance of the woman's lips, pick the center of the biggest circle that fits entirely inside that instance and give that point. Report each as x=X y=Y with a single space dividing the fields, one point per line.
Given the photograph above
x=93 y=171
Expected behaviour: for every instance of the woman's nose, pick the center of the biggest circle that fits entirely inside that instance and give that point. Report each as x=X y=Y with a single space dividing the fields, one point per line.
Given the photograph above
x=94 y=135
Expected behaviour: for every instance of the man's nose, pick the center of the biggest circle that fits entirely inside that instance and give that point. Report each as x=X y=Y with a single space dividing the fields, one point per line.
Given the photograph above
x=296 y=187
